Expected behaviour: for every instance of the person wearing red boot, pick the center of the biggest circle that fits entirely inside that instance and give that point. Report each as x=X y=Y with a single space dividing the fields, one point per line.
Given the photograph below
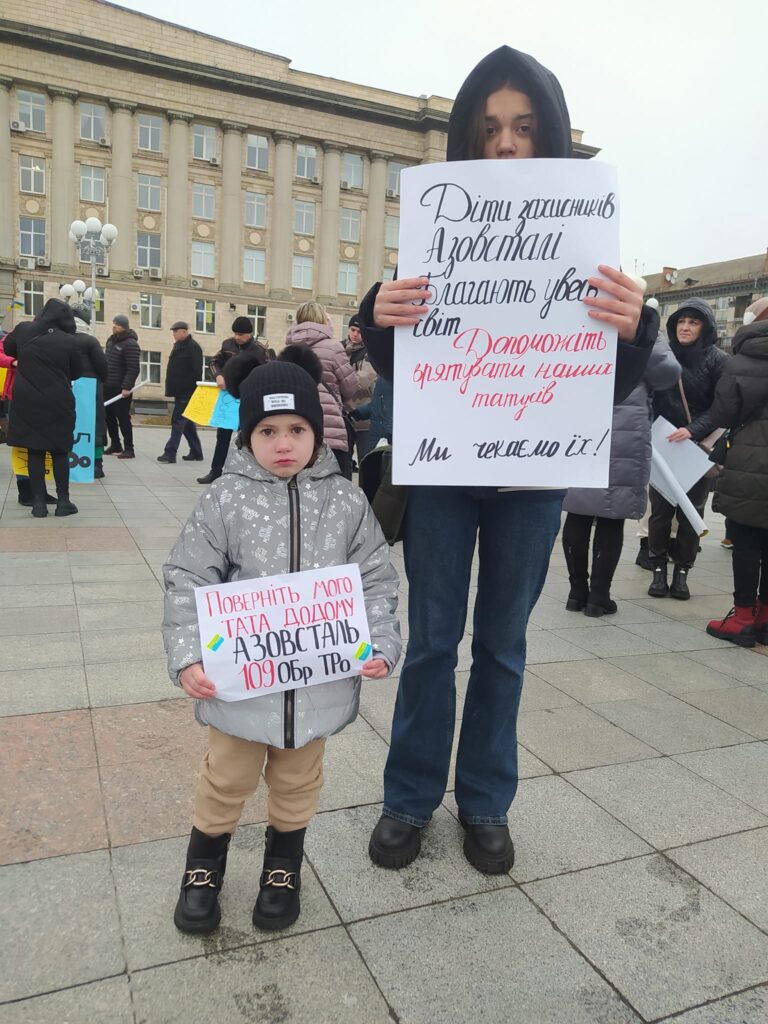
x=741 y=403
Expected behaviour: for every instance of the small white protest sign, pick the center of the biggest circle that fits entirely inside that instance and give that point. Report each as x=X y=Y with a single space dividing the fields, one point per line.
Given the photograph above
x=687 y=462
x=283 y=632
x=507 y=381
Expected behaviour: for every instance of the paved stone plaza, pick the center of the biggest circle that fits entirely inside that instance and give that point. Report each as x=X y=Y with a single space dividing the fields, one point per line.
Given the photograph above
x=640 y=891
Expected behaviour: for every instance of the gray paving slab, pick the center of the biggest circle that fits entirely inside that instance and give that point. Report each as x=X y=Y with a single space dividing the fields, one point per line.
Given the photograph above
x=671 y=725
x=744 y=707
x=130 y=682
x=656 y=934
x=593 y=681
x=305 y=979
x=122 y=645
x=609 y=641
x=741 y=771
x=354 y=767
x=745 y=1008
x=137 y=614
x=665 y=803
x=675 y=673
x=99 y=1001
x=735 y=868
x=118 y=572
x=675 y=636
x=359 y=889
x=576 y=737
x=746 y=666
x=20 y=575
x=58 y=924
x=147 y=877
x=41 y=619
x=708 y=606
x=38 y=596
x=34 y=690
x=44 y=650
x=102 y=593
x=539 y=695
x=486 y=958
x=545 y=646
x=93 y=559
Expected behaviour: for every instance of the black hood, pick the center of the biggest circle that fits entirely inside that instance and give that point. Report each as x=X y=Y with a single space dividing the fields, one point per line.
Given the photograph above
x=56 y=313
x=752 y=340
x=553 y=125
x=686 y=354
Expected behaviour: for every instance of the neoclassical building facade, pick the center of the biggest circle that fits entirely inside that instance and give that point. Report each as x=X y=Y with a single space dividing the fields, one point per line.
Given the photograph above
x=238 y=185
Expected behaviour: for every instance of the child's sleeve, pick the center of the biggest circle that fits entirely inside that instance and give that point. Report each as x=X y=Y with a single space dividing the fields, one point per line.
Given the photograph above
x=198 y=559
x=380 y=585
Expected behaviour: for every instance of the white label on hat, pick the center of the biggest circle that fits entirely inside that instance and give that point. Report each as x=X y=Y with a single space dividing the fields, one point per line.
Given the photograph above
x=273 y=402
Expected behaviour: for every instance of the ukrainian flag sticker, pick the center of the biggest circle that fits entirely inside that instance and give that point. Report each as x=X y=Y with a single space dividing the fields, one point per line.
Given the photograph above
x=363 y=652
x=215 y=643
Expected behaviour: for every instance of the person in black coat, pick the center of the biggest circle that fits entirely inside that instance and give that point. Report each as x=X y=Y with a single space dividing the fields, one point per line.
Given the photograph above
x=185 y=368
x=741 y=492
x=43 y=409
x=693 y=340
x=94 y=366
x=123 y=364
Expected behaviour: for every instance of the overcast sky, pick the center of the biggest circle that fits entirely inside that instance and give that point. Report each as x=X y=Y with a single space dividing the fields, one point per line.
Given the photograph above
x=674 y=92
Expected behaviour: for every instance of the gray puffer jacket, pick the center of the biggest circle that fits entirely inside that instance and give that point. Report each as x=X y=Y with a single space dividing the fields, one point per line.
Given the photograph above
x=245 y=527
x=626 y=496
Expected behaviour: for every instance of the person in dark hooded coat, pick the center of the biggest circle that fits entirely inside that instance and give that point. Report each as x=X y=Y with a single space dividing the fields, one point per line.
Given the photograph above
x=509 y=107
x=43 y=410
x=693 y=339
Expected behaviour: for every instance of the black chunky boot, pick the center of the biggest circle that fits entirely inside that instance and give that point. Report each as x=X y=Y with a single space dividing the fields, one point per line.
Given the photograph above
x=599 y=603
x=659 y=586
x=278 y=904
x=679 y=588
x=197 y=910
x=643 y=559
x=64 y=507
x=489 y=848
x=394 y=843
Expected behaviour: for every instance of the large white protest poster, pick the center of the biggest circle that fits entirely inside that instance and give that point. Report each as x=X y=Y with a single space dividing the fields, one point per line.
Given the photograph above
x=280 y=633
x=507 y=381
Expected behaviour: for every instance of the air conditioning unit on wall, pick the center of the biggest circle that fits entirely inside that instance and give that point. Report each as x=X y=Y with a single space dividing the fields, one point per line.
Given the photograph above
x=391 y=194
x=135 y=307
x=17 y=126
x=155 y=273
x=138 y=272
x=289 y=317
x=103 y=141
x=196 y=283
x=345 y=185
x=26 y=263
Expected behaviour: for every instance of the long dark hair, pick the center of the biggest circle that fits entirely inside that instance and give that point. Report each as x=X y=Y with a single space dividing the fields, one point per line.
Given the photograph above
x=476 y=124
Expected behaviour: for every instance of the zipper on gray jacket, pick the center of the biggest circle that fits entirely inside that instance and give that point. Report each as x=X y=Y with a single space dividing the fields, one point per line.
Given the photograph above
x=294 y=565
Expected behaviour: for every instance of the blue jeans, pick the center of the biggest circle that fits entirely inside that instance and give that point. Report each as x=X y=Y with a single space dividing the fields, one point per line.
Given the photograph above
x=182 y=427
x=516 y=532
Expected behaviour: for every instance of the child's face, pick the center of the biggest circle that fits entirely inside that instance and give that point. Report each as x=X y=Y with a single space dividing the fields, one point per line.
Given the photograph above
x=283 y=444
x=689 y=330
x=508 y=126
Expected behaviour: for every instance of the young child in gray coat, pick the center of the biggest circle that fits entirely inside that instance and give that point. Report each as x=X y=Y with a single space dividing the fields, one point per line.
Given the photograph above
x=280 y=506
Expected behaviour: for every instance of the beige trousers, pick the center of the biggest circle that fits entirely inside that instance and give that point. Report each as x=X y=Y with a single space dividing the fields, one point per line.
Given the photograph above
x=230 y=773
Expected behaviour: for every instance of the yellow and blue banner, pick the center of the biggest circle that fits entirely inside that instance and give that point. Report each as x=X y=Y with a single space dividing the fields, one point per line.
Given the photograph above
x=83 y=451
x=211 y=407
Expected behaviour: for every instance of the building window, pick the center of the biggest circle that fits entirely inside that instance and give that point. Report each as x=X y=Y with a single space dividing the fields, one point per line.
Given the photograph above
x=254 y=266
x=306 y=161
x=350 y=225
x=149 y=366
x=31 y=236
x=347 y=278
x=150 y=133
x=98 y=307
x=32 y=174
x=303 y=268
x=255 y=210
x=203 y=260
x=32 y=110
x=352 y=170
x=32 y=296
x=204 y=142
x=92 y=121
x=393 y=177
x=258 y=315
x=147 y=250
x=92 y=184
x=388 y=274
x=149 y=192
x=723 y=302
x=205 y=316
x=151 y=309
x=257 y=153
x=303 y=218
x=391 y=232
x=203 y=200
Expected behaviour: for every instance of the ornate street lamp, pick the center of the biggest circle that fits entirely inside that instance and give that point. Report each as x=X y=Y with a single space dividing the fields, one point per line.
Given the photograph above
x=93 y=239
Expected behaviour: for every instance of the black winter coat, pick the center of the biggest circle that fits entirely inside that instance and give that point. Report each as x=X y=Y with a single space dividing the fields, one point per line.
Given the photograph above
x=185 y=368
x=228 y=349
x=741 y=493
x=43 y=409
x=702 y=365
x=123 y=360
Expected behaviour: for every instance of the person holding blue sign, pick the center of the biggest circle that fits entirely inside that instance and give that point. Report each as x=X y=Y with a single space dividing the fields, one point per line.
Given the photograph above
x=509 y=108
x=280 y=507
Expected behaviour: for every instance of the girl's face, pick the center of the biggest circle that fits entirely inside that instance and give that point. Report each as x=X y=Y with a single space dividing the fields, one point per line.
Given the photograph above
x=509 y=126
x=283 y=444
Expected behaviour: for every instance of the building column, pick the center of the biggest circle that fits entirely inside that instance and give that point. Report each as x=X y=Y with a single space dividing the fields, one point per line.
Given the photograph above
x=373 y=241
x=230 y=230
x=122 y=202
x=329 y=226
x=63 y=129
x=8 y=240
x=177 y=237
x=281 y=225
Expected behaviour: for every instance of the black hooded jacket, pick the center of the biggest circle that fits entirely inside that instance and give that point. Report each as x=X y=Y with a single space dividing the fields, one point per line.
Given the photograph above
x=741 y=402
x=702 y=365
x=553 y=139
x=43 y=408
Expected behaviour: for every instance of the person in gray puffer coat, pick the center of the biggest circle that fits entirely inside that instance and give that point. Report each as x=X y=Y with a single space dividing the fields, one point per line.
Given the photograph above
x=280 y=506
x=625 y=497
